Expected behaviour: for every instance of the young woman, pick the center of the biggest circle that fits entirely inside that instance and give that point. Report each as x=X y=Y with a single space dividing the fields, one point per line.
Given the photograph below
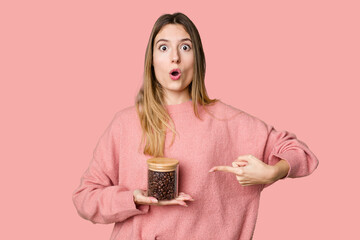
x=174 y=117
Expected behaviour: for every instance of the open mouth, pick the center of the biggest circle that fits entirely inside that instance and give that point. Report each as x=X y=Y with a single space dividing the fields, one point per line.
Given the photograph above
x=175 y=72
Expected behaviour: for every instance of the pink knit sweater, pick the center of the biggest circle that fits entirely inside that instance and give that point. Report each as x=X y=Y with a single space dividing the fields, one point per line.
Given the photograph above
x=223 y=209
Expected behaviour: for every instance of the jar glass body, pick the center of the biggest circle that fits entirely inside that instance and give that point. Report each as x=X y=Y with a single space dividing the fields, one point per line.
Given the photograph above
x=163 y=178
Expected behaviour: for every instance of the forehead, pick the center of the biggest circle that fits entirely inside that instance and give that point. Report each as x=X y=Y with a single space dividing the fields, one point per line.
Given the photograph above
x=172 y=32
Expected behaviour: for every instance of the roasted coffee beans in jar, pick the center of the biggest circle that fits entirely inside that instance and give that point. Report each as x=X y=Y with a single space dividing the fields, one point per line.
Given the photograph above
x=163 y=176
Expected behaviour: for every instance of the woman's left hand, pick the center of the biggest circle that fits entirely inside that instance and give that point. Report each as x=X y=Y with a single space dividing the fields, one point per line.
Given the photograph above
x=250 y=171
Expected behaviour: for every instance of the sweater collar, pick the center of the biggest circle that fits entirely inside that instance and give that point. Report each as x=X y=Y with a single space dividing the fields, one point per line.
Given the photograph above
x=181 y=107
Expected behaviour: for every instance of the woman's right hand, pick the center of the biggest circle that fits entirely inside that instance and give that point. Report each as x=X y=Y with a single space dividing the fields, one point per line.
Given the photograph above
x=141 y=198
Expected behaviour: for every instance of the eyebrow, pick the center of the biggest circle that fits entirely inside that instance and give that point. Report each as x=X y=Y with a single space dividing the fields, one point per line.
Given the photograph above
x=165 y=40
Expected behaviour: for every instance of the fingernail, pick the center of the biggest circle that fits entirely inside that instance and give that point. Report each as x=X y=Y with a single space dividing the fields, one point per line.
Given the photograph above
x=154 y=200
x=211 y=170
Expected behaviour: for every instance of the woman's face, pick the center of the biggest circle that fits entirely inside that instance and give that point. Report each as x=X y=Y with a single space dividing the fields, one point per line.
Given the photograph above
x=173 y=51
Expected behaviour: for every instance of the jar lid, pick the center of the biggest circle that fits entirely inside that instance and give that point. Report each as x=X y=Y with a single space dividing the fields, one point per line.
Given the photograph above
x=162 y=163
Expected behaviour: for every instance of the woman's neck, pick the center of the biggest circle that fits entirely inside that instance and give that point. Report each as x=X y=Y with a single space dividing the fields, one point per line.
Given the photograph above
x=174 y=100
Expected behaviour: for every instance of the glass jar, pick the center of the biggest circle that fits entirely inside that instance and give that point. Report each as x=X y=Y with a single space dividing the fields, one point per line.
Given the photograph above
x=163 y=175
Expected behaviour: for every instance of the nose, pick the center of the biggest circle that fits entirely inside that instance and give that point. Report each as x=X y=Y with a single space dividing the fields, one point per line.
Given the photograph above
x=175 y=57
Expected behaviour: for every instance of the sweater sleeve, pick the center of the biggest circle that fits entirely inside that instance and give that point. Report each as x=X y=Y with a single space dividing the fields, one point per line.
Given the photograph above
x=284 y=145
x=99 y=198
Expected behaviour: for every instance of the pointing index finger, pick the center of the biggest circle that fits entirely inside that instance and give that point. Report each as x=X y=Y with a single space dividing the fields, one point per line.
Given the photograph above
x=223 y=168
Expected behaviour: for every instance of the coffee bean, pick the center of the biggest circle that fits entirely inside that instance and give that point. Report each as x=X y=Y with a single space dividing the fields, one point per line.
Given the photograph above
x=162 y=185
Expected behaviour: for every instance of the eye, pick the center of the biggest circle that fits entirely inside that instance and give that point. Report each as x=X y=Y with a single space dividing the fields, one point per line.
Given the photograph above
x=163 y=48
x=186 y=47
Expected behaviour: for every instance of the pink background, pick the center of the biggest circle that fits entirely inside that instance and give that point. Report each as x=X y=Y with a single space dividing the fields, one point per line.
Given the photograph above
x=66 y=67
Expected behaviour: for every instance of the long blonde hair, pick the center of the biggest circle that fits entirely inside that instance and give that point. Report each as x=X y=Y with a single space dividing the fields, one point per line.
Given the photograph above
x=150 y=103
